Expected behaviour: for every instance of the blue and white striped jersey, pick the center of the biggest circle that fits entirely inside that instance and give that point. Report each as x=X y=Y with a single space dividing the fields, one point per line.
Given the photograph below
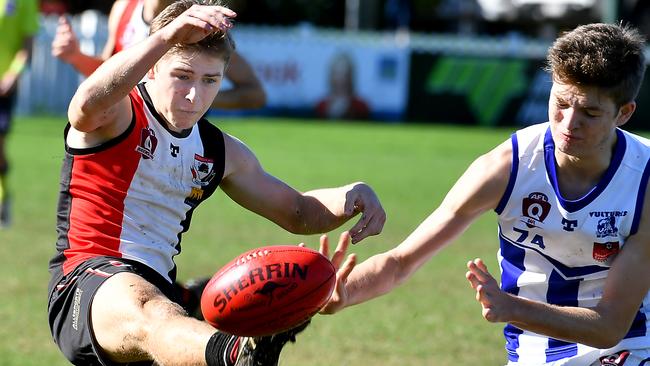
x=559 y=251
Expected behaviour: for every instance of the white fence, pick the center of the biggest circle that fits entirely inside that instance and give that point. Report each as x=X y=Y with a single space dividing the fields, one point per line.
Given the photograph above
x=292 y=63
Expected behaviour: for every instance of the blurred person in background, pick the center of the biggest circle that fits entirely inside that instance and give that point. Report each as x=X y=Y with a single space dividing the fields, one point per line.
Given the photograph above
x=18 y=25
x=342 y=102
x=573 y=207
x=128 y=24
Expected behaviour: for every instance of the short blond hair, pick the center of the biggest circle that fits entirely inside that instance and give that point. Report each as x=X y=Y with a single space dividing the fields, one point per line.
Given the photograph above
x=219 y=43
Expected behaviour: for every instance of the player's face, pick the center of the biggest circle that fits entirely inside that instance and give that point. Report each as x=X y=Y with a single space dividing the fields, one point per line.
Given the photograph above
x=584 y=120
x=184 y=86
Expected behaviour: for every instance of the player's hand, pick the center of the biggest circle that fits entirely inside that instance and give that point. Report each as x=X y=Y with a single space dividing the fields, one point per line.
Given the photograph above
x=339 y=297
x=196 y=23
x=361 y=198
x=65 y=45
x=494 y=301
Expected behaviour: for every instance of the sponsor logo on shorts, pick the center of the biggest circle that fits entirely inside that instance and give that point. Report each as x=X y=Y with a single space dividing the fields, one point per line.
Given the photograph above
x=76 y=308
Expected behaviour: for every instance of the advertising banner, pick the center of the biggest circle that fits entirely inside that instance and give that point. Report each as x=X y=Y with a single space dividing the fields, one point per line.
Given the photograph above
x=327 y=74
x=489 y=91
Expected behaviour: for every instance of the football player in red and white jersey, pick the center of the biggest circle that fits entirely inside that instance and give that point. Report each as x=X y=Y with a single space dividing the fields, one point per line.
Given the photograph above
x=140 y=157
x=128 y=24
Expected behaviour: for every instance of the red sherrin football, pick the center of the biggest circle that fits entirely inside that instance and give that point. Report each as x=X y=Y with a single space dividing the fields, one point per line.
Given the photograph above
x=268 y=290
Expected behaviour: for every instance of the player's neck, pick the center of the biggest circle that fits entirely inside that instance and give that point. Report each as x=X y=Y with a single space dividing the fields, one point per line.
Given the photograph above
x=577 y=176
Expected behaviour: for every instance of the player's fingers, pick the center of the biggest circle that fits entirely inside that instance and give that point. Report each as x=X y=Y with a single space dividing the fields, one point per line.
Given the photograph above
x=64 y=24
x=473 y=281
x=479 y=295
x=201 y=23
x=483 y=296
x=341 y=249
x=479 y=262
x=347 y=267
x=477 y=271
x=374 y=224
x=361 y=229
x=222 y=21
x=324 y=248
x=226 y=11
x=212 y=17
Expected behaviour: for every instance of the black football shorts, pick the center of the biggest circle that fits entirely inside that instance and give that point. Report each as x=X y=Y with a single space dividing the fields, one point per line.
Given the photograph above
x=69 y=303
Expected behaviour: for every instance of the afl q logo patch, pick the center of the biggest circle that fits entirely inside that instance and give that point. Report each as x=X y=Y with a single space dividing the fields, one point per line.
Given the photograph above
x=148 y=143
x=535 y=208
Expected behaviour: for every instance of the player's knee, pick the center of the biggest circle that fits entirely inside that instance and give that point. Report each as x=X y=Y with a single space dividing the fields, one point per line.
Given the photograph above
x=126 y=315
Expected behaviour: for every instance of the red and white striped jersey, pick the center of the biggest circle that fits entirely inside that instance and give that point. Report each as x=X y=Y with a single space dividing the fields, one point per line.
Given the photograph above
x=131 y=27
x=133 y=196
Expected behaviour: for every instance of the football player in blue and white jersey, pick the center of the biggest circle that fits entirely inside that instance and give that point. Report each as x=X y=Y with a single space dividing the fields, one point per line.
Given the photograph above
x=573 y=217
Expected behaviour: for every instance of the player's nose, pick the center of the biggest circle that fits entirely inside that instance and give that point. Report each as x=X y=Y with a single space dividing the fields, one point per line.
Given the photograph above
x=191 y=94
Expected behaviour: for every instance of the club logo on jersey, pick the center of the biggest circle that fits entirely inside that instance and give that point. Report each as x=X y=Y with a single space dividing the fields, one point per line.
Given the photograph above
x=202 y=172
x=603 y=251
x=148 y=143
x=535 y=208
x=606 y=227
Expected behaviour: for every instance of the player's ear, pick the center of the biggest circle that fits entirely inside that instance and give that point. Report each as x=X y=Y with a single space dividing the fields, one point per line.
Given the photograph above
x=625 y=112
x=150 y=73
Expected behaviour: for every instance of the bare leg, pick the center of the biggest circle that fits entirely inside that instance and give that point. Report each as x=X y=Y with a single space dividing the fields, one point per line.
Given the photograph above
x=133 y=321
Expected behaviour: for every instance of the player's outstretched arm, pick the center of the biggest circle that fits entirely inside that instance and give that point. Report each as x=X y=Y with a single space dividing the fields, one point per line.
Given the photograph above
x=478 y=190
x=65 y=47
x=603 y=326
x=318 y=211
x=247 y=90
x=102 y=99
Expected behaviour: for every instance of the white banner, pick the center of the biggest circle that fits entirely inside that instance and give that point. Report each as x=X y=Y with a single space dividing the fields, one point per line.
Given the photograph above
x=300 y=68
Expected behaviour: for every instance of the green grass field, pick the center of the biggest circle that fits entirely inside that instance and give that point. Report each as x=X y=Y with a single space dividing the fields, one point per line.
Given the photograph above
x=431 y=320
